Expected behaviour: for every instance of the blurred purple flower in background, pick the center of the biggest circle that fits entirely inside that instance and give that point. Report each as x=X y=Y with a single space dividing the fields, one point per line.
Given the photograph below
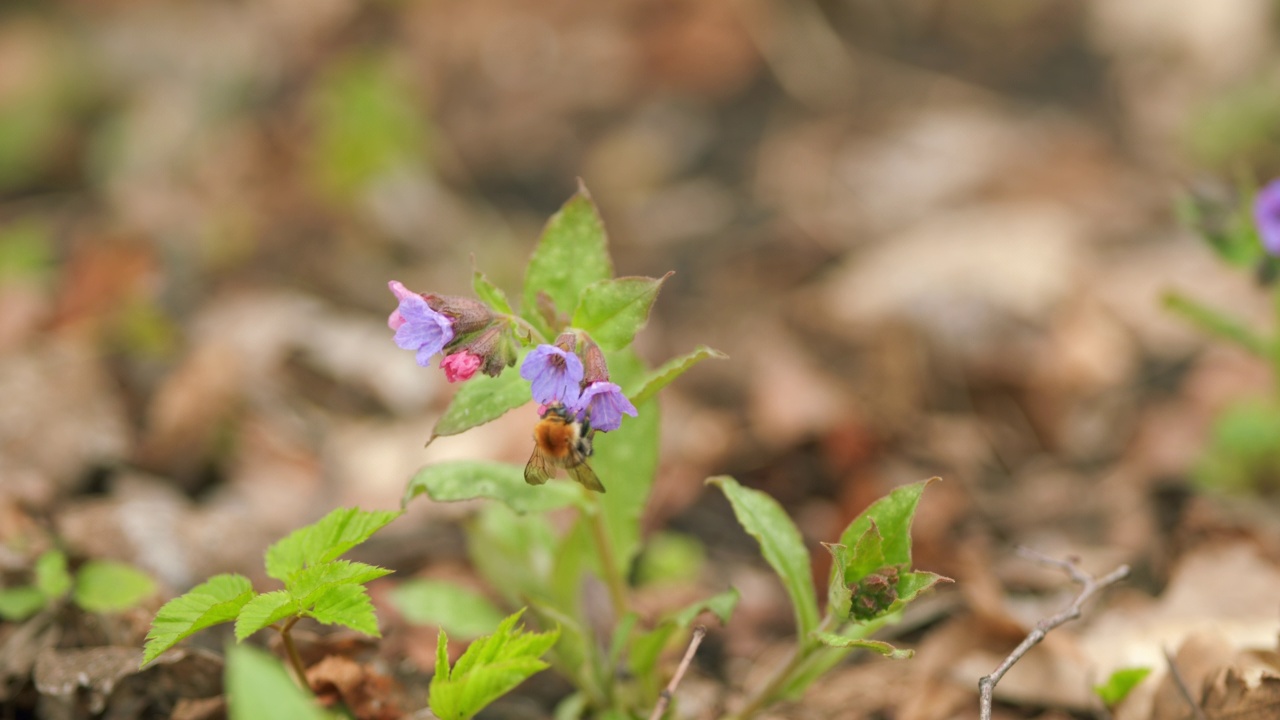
x=1266 y=213
x=556 y=375
x=604 y=403
x=420 y=328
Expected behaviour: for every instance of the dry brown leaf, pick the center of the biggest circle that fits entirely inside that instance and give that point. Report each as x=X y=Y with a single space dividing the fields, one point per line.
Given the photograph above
x=365 y=693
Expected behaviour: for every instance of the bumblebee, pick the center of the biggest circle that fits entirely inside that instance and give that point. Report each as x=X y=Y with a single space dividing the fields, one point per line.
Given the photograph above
x=560 y=441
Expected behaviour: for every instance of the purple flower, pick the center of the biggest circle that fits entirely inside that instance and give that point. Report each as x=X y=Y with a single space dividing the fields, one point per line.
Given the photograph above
x=556 y=375
x=1266 y=213
x=421 y=328
x=395 y=319
x=603 y=403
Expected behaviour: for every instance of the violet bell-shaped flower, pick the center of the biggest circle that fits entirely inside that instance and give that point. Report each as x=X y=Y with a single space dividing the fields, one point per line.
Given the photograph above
x=1266 y=215
x=603 y=404
x=556 y=375
x=420 y=328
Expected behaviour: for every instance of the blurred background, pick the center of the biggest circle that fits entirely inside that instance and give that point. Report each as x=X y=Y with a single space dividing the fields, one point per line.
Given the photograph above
x=932 y=237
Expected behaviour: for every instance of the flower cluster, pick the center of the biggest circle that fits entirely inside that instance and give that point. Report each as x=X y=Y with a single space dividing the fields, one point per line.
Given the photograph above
x=572 y=372
x=1266 y=214
x=466 y=331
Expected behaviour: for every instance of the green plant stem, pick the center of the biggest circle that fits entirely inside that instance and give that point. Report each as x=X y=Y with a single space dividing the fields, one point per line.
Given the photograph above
x=609 y=563
x=1218 y=324
x=765 y=695
x=294 y=658
x=1275 y=344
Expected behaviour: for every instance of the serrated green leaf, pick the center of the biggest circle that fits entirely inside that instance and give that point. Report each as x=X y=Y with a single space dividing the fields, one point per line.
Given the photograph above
x=21 y=603
x=490 y=293
x=217 y=600
x=263 y=610
x=324 y=540
x=442 y=655
x=491 y=667
x=1120 y=684
x=613 y=311
x=839 y=596
x=576 y=654
x=463 y=612
x=650 y=384
x=780 y=543
x=306 y=584
x=258 y=688
x=469 y=479
x=51 y=573
x=571 y=254
x=626 y=460
x=482 y=399
x=884 y=648
x=103 y=586
x=892 y=514
x=346 y=605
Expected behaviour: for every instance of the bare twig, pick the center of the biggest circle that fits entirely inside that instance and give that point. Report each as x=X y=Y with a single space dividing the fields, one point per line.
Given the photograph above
x=1089 y=585
x=664 y=699
x=1183 y=690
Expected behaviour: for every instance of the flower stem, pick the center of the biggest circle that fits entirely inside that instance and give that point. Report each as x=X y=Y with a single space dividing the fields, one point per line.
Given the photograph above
x=294 y=658
x=765 y=696
x=534 y=334
x=608 y=561
x=1217 y=324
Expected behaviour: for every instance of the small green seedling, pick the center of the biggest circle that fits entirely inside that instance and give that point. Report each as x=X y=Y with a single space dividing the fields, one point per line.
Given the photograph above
x=491 y=667
x=316 y=585
x=1120 y=684
x=101 y=586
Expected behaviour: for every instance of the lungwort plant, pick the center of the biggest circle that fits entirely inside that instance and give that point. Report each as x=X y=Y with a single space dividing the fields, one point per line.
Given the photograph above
x=571 y=336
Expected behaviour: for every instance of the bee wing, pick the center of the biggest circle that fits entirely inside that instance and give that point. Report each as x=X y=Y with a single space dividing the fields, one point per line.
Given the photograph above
x=585 y=476
x=538 y=470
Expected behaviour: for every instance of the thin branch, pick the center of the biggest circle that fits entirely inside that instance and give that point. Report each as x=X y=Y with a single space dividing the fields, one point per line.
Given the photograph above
x=1089 y=586
x=1183 y=690
x=299 y=670
x=664 y=699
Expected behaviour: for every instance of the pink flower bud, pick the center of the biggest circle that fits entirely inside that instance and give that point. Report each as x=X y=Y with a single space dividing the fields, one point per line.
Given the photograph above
x=460 y=366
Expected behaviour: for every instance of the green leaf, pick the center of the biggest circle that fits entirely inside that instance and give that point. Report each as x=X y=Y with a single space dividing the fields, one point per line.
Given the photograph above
x=52 y=577
x=263 y=610
x=21 y=603
x=867 y=556
x=647 y=646
x=670 y=557
x=839 y=596
x=258 y=688
x=613 y=311
x=490 y=293
x=1217 y=323
x=626 y=460
x=491 y=667
x=912 y=584
x=670 y=370
x=463 y=612
x=346 y=605
x=571 y=254
x=1118 y=686
x=469 y=479
x=366 y=125
x=780 y=542
x=480 y=400
x=892 y=514
x=331 y=536
x=514 y=553
x=217 y=600
x=884 y=648
x=305 y=585
x=103 y=586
